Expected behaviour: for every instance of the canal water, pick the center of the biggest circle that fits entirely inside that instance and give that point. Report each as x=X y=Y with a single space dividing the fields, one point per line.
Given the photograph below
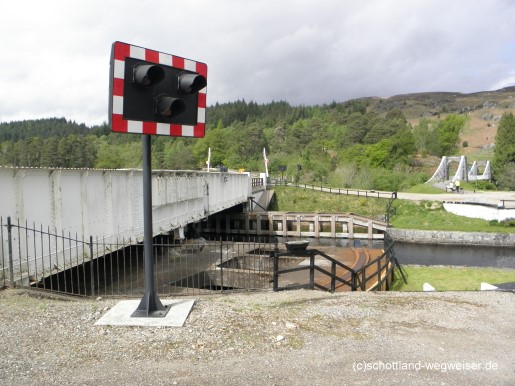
x=460 y=255
x=429 y=254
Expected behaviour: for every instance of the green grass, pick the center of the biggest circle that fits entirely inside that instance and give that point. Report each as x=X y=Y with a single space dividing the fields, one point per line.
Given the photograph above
x=483 y=155
x=291 y=199
x=451 y=278
x=430 y=215
x=424 y=215
x=425 y=189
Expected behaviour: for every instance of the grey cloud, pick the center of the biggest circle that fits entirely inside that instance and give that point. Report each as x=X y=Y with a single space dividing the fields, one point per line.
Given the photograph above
x=303 y=51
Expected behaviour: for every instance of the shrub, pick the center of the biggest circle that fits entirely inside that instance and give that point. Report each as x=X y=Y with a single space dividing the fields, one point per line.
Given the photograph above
x=508 y=223
x=484 y=185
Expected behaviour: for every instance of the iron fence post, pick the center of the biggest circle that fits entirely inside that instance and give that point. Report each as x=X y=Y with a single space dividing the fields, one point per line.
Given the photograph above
x=379 y=273
x=333 y=277
x=312 y=271
x=10 y=251
x=221 y=265
x=91 y=264
x=276 y=268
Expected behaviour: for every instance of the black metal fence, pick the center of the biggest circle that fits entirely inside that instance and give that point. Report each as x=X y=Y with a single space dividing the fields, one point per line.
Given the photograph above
x=378 y=274
x=29 y=255
x=374 y=275
x=39 y=257
x=32 y=256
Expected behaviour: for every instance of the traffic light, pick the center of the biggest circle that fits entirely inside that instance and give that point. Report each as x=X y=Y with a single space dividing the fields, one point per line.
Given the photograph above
x=156 y=93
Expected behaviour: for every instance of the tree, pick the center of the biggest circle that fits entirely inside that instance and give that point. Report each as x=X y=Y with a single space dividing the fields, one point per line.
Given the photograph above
x=379 y=153
x=357 y=128
x=109 y=157
x=49 y=152
x=247 y=143
x=178 y=156
x=426 y=136
x=403 y=148
x=448 y=133
x=217 y=139
x=9 y=154
x=504 y=153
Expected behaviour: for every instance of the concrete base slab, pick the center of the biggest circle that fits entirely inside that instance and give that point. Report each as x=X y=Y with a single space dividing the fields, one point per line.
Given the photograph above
x=120 y=314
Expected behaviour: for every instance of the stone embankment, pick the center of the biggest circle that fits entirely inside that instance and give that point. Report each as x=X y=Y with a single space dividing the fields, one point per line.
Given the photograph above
x=454 y=238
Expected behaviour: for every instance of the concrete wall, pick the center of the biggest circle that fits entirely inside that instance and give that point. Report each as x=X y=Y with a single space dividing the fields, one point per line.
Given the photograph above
x=446 y=237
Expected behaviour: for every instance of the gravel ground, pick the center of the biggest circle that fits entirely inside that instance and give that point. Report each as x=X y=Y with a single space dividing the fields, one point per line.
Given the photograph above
x=266 y=338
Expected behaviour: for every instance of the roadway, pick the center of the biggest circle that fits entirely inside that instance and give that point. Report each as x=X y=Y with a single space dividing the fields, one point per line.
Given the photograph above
x=490 y=197
x=484 y=197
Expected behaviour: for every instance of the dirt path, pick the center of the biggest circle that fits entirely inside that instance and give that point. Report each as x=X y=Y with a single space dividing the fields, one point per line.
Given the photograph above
x=266 y=338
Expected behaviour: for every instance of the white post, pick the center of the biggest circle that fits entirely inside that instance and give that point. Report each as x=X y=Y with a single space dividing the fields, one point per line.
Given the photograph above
x=208 y=162
x=266 y=163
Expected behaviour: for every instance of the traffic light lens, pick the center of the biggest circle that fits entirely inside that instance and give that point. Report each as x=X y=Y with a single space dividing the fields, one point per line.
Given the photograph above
x=190 y=83
x=153 y=92
x=168 y=106
x=147 y=74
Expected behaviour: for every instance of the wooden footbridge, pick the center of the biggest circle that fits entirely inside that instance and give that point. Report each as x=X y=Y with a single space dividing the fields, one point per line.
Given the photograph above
x=296 y=224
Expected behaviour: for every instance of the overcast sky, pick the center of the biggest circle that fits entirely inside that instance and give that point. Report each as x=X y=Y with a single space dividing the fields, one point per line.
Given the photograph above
x=54 y=55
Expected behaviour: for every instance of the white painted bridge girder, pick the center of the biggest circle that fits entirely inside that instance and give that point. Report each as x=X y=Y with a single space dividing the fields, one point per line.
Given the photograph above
x=109 y=203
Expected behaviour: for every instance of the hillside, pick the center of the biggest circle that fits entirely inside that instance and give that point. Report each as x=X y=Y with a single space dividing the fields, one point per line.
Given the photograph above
x=484 y=110
x=376 y=143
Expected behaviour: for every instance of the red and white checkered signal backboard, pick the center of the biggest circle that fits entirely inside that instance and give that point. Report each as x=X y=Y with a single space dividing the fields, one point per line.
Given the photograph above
x=120 y=53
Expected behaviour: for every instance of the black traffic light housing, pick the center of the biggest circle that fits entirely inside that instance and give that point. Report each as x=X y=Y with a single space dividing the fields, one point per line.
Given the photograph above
x=160 y=93
x=156 y=93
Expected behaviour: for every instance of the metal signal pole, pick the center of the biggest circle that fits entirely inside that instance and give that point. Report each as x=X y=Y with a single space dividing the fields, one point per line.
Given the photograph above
x=150 y=305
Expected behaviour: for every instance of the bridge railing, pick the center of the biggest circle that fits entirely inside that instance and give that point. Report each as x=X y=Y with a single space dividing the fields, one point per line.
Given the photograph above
x=302 y=224
x=506 y=204
x=345 y=191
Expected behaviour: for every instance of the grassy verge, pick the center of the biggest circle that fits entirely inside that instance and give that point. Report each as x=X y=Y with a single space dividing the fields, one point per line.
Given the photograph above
x=431 y=215
x=425 y=189
x=424 y=215
x=291 y=199
x=451 y=278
